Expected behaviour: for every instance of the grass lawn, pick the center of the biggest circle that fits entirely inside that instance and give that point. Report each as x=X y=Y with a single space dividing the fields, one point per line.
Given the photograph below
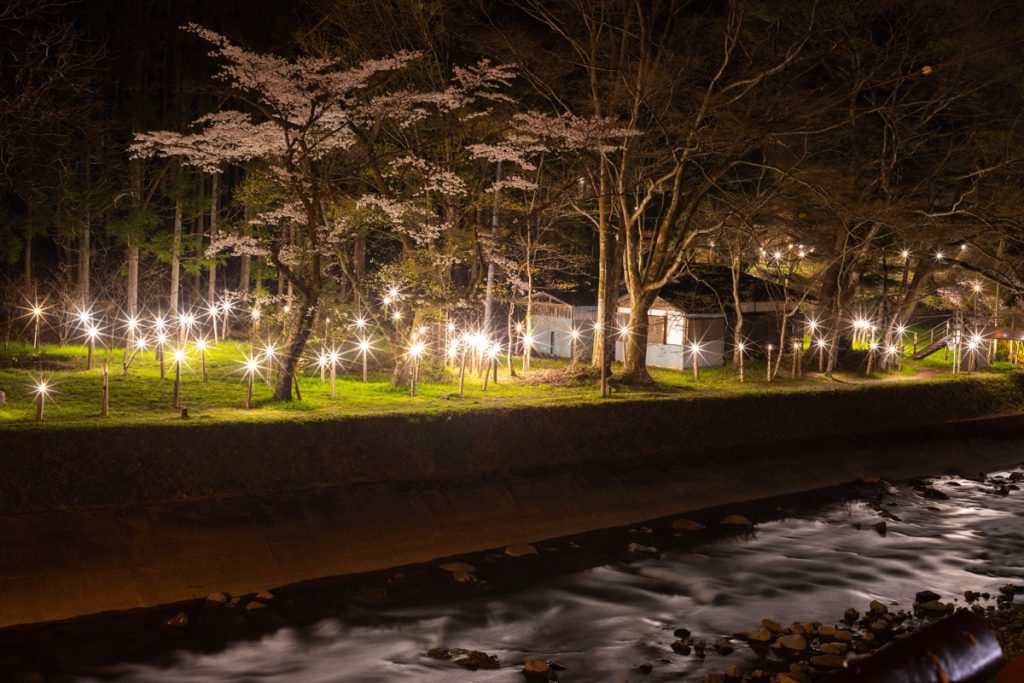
x=142 y=398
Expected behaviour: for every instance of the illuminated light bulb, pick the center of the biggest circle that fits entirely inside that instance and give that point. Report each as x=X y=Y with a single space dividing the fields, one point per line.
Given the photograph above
x=528 y=339
x=255 y=313
x=393 y=292
x=360 y=323
x=575 y=334
x=624 y=330
x=939 y=256
x=251 y=366
x=42 y=388
x=269 y=350
x=416 y=349
x=178 y=356
x=451 y=327
x=37 y=311
x=201 y=344
x=905 y=254
x=287 y=308
x=397 y=315
x=334 y=357
x=364 y=345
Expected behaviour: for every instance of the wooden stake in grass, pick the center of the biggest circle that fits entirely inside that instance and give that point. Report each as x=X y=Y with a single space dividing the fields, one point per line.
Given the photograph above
x=201 y=345
x=41 y=390
x=871 y=357
x=769 y=362
x=161 y=340
x=574 y=336
x=105 y=404
x=798 y=347
x=251 y=369
x=37 y=318
x=821 y=355
x=462 y=369
x=268 y=355
x=332 y=358
x=740 y=348
x=414 y=352
x=178 y=357
x=364 y=350
x=91 y=334
x=695 y=352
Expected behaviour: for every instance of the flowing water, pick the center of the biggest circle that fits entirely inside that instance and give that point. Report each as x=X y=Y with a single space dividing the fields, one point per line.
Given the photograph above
x=810 y=563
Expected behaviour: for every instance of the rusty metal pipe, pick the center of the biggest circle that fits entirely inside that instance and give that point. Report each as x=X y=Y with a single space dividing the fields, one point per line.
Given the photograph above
x=958 y=649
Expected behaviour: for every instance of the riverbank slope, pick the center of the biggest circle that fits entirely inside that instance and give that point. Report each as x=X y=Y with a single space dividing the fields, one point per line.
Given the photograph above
x=127 y=517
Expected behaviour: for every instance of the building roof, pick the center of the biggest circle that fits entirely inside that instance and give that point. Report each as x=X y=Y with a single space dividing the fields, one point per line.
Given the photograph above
x=581 y=293
x=708 y=289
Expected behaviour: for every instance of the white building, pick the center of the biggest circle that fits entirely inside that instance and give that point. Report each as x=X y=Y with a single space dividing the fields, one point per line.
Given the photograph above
x=555 y=317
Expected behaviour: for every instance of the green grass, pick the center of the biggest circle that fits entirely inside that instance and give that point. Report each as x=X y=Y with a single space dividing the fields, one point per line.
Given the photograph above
x=141 y=397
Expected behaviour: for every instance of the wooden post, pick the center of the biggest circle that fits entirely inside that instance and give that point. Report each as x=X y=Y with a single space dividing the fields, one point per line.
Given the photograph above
x=364 y=365
x=572 y=352
x=270 y=365
x=871 y=358
x=35 y=334
x=160 y=356
x=415 y=374
x=248 y=390
x=915 y=344
x=494 y=368
x=769 y=372
x=105 y=405
x=462 y=369
x=333 y=373
x=177 y=383
x=92 y=344
x=821 y=356
x=696 y=370
x=202 y=356
x=740 y=351
x=40 y=402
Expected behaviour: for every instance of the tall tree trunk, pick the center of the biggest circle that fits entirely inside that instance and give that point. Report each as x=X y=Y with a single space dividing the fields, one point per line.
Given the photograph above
x=27 y=262
x=489 y=296
x=133 y=244
x=84 y=258
x=176 y=259
x=133 y=277
x=607 y=277
x=211 y=291
x=737 y=328
x=298 y=334
x=635 y=342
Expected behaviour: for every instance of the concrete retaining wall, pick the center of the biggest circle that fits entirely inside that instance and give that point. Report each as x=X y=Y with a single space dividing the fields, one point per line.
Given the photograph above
x=123 y=517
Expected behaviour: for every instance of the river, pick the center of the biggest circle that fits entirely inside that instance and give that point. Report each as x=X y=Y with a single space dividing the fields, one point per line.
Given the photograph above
x=807 y=560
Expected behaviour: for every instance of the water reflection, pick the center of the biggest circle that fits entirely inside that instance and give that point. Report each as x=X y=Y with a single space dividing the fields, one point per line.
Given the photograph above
x=603 y=622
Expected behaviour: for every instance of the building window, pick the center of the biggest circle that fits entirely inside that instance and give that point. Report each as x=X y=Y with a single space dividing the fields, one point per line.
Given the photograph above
x=656 y=329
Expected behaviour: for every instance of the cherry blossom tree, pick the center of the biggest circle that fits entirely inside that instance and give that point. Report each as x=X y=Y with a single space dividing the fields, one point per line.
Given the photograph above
x=342 y=150
x=297 y=116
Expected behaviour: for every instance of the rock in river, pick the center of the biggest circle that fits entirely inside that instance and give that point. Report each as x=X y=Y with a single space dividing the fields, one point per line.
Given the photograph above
x=737 y=521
